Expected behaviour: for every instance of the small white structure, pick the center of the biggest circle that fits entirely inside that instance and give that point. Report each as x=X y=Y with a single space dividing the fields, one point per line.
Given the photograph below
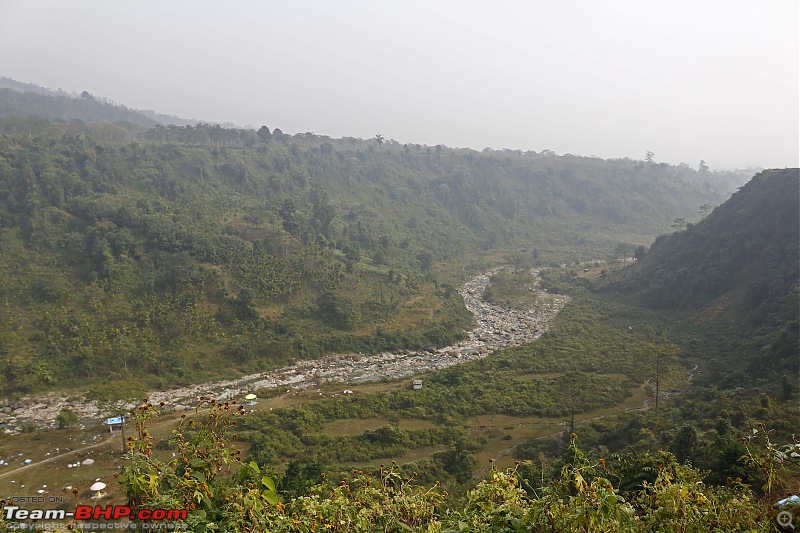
x=96 y=488
x=115 y=422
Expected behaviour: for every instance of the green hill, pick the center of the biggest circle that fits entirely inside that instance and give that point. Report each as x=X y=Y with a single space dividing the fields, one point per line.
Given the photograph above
x=139 y=257
x=734 y=277
x=200 y=251
x=18 y=99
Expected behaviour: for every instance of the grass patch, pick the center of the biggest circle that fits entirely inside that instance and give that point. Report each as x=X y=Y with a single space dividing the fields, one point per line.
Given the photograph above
x=507 y=289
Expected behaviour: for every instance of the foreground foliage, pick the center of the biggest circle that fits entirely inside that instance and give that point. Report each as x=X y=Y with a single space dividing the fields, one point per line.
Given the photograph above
x=197 y=252
x=650 y=492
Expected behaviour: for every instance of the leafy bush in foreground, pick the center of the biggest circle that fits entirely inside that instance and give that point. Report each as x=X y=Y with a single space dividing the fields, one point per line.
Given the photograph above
x=225 y=494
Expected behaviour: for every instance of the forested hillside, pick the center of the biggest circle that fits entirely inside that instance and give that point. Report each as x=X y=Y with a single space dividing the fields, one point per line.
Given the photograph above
x=137 y=256
x=734 y=274
x=27 y=100
x=201 y=245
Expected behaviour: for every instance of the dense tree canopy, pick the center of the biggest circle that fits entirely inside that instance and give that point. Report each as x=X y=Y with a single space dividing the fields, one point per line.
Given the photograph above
x=160 y=255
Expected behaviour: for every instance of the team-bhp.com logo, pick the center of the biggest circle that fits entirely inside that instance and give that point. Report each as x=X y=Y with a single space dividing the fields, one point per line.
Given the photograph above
x=94 y=512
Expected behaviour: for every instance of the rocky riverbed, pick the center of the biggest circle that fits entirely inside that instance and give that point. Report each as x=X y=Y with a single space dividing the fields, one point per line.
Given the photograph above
x=494 y=328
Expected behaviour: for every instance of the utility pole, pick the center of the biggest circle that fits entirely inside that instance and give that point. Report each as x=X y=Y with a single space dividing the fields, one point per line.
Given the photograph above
x=658 y=364
x=122 y=428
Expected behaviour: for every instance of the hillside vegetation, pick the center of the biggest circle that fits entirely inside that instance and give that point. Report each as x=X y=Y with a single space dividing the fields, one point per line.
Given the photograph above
x=200 y=251
x=734 y=278
x=136 y=256
x=28 y=100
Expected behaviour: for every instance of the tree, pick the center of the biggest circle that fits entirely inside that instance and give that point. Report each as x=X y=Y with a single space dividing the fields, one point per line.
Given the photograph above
x=520 y=261
x=679 y=224
x=659 y=355
x=263 y=134
x=243 y=306
x=575 y=386
x=299 y=478
x=702 y=167
x=621 y=251
x=685 y=443
x=288 y=215
x=379 y=140
x=705 y=209
x=425 y=259
x=457 y=461
x=322 y=212
x=337 y=311
x=648 y=156
x=352 y=251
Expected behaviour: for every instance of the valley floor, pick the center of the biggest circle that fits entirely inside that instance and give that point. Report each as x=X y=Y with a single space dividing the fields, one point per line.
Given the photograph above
x=494 y=328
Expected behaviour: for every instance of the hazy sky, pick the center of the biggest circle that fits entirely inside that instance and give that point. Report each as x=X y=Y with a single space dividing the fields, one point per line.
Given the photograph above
x=689 y=80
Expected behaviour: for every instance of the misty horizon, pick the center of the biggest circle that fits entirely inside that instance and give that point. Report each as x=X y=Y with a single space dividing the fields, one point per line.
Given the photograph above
x=714 y=81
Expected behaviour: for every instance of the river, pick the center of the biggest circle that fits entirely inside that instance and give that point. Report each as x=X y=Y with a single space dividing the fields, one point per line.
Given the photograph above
x=493 y=328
